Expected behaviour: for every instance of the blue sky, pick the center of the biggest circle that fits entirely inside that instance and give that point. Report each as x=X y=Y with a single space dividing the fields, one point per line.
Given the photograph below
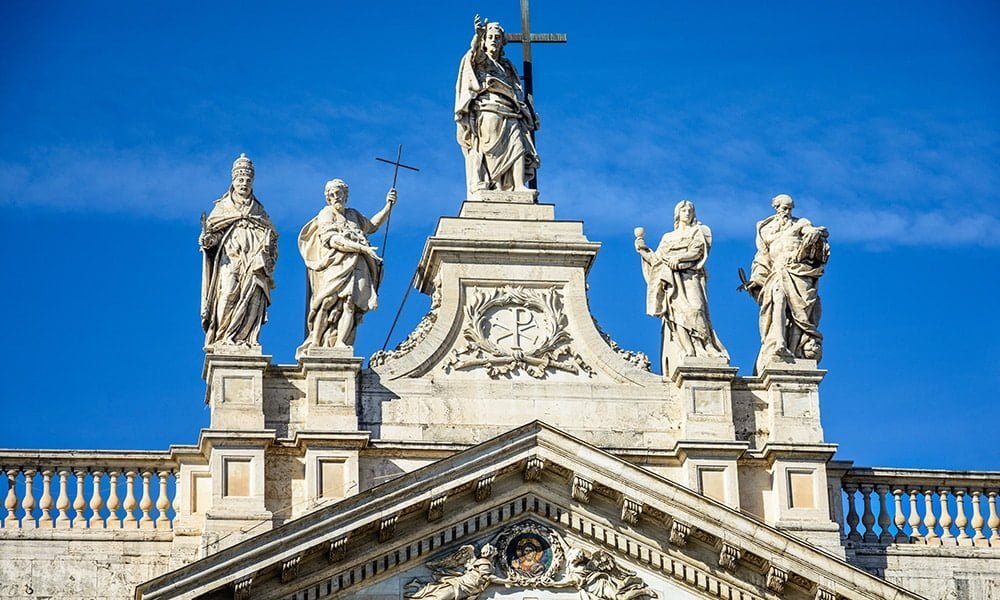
x=120 y=122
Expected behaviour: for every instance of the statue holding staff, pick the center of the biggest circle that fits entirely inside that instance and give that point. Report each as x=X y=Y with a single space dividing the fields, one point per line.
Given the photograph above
x=675 y=287
x=240 y=248
x=495 y=120
x=344 y=268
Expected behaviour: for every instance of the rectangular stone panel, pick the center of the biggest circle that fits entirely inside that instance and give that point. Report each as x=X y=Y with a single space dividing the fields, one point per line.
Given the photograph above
x=237 y=477
x=796 y=403
x=201 y=492
x=237 y=390
x=801 y=489
x=331 y=478
x=712 y=482
x=331 y=391
x=708 y=401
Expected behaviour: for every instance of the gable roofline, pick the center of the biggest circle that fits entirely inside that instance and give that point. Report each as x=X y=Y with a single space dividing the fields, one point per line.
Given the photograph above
x=504 y=453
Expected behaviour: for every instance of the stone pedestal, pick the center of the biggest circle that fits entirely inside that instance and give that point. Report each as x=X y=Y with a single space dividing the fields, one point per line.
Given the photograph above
x=238 y=471
x=706 y=392
x=711 y=468
x=799 y=501
x=791 y=391
x=331 y=379
x=235 y=392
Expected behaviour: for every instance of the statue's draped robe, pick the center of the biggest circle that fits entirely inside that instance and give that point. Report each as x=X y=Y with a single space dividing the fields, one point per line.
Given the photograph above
x=790 y=259
x=466 y=586
x=679 y=296
x=237 y=272
x=494 y=122
x=336 y=275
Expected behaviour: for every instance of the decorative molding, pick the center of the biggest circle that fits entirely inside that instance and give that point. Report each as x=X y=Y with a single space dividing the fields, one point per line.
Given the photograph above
x=639 y=360
x=484 y=487
x=338 y=549
x=581 y=489
x=800 y=581
x=728 y=556
x=548 y=559
x=776 y=579
x=679 y=533
x=631 y=509
x=825 y=594
x=387 y=528
x=241 y=588
x=435 y=508
x=290 y=569
x=533 y=468
x=541 y=311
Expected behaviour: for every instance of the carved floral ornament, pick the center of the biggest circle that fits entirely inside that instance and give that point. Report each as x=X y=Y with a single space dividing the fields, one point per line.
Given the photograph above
x=528 y=555
x=514 y=329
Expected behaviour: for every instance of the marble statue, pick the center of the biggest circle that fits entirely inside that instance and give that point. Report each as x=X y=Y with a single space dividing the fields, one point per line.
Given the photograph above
x=494 y=118
x=344 y=268
x=240 y=247
x=784 y=280
x=600 y=577
x=460 y=575
x=675 y=287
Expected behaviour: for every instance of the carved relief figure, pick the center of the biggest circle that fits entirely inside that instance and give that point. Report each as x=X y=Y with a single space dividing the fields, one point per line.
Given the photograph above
x=460 y=576
x=675 y=287
x=494 y=118
x=600 y=577
x=784 y=280
x=240 y=247
x=343 y=267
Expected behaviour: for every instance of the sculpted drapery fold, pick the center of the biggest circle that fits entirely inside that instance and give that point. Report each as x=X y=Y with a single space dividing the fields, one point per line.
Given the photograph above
x=240 y=248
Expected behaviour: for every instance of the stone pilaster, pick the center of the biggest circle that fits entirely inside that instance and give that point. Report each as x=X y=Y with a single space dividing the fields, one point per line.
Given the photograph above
x=237 y=466
x=712 y=469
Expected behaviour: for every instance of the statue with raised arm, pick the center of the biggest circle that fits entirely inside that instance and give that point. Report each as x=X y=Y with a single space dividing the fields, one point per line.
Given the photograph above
x=495 y=120
x=344 y=268
x=675 y=287
x=239 y=247
x=784 y=280
x=600 y=577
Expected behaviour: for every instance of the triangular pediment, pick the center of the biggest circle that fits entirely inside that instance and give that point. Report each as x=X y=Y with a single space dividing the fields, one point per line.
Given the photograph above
x=671 y=536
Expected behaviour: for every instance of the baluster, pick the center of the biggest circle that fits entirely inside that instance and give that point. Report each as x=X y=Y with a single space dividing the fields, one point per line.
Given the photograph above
x=79 y=502
x=114 y=520
x=961 y=521
x=853 y=533
x=10 y=502
x=947 y=538
x=162 y=503
x=915 y=536
x=994 y=522
x=146 y=504
x=978 y=538
x=884 y=536
x=45 y=502
x=930 y=520
x=96 y=502
x=899 y=519
x=130 y=502
x=868 y=518
x=62 y=503
x=28 y=503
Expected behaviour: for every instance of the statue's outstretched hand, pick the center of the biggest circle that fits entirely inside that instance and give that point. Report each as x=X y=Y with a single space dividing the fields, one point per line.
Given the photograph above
x=390 y=198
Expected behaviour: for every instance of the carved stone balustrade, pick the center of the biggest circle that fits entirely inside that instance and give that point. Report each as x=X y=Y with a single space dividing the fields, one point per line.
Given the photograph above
x=68 y=489
x=920 y=506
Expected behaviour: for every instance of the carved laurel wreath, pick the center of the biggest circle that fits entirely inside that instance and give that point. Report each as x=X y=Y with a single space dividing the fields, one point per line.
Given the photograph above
x=512 y=533
x=553 y=352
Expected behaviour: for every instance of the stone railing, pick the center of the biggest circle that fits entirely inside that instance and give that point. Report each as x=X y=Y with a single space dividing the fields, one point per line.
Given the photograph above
x=930 y=507
x=68 y=489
